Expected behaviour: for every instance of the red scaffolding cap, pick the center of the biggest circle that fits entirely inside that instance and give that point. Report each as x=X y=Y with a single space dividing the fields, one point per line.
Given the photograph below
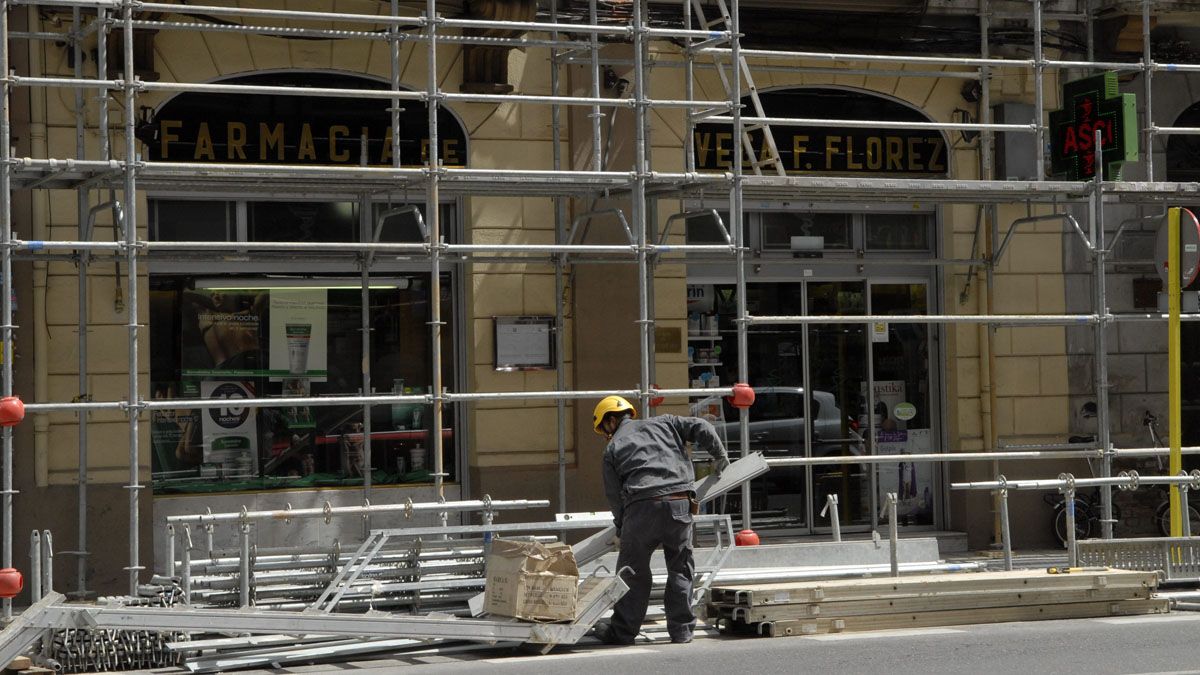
x=11 y=582
x=12 y=411
x=743 y=396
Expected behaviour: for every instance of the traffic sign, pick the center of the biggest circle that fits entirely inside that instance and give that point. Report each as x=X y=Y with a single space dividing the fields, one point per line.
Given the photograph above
x=1189 y=248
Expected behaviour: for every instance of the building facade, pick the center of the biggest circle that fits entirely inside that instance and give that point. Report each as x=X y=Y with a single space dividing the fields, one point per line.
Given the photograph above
x=252 y=286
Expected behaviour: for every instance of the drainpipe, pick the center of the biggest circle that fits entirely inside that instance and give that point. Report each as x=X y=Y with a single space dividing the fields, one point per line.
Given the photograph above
x=987 y=355
x=38 y=217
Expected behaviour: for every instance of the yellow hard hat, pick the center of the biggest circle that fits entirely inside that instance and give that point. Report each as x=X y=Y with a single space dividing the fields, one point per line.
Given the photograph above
x=610 y=404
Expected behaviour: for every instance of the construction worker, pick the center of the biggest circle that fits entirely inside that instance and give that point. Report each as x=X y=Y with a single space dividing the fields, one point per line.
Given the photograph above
x=648 y=480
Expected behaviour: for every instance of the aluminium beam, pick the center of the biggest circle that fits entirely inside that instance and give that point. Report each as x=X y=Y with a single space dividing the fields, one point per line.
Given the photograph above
x=345 y=181
x=599 y=599
x=27 y=628
x=708 y=488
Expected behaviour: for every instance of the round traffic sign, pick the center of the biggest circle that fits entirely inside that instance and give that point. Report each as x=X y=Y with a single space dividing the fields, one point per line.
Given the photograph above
x=1189 y=249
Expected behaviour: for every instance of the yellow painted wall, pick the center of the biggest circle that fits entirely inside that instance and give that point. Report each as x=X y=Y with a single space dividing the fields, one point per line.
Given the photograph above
x=1031 y=362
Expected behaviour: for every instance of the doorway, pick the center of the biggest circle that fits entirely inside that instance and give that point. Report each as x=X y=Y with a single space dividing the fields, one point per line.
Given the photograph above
x=815 y=384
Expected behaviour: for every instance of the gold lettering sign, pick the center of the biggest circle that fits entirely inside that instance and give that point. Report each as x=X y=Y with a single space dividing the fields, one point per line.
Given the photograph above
x=288 y=142
x=850 y=151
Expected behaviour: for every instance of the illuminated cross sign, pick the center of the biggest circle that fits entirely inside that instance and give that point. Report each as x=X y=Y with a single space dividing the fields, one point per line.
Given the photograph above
x=1090 y=105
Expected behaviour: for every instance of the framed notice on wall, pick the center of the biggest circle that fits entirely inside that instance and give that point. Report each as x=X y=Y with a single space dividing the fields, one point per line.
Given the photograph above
x=524 y=342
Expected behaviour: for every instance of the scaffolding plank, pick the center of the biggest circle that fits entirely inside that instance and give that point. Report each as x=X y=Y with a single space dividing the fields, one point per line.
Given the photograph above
x=1082 y=610
x=884 y=587
x=924 y=603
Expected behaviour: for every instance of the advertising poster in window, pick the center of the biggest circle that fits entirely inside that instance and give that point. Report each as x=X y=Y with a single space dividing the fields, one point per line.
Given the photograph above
x=221 y=332
x=911 y=481
x=230 y=430
x=298 y=338
x=888 y=395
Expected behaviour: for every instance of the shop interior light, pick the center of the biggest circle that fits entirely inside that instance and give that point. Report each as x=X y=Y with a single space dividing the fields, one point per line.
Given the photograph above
x=288 y=284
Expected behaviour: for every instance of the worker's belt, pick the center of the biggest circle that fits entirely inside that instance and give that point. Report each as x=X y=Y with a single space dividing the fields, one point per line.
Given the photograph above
x=674 y=495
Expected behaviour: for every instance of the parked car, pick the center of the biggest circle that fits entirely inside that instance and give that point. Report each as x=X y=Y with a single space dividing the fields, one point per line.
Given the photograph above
x=777 y=430
x=777 y=423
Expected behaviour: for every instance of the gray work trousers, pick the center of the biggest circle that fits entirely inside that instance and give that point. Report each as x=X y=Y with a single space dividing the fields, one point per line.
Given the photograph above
x=645 y=526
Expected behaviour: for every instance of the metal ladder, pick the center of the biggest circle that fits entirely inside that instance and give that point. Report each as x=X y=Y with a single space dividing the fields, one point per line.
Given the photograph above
x=349 y=573
x=770 y=151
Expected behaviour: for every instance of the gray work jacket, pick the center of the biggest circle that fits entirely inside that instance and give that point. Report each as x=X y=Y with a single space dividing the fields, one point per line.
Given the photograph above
x=648 y=458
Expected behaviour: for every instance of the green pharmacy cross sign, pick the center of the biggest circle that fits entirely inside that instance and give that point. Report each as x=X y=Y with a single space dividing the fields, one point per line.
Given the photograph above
x=1090 y=105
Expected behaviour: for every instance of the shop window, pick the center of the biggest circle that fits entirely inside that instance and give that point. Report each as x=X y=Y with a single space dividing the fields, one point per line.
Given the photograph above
x=897 y=231
x=246 y=335
x=302 y=221
x=193 y=220
x=805 y=231
x=704 y=228
x=404 y=222
x=259 y=338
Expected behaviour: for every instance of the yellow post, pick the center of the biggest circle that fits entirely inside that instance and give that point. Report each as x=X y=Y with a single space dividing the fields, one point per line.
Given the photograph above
x=1174 y=382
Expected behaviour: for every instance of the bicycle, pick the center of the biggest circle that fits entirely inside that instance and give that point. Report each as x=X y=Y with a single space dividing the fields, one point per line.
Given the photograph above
x=1162 y=513
x=1089 y=505
x=1089 y=509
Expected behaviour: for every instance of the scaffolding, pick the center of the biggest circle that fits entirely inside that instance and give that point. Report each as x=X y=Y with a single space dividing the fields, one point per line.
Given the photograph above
x=695 y=44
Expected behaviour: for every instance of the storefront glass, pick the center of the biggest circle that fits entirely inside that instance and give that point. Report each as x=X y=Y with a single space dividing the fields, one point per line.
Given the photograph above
x=238 y=335
x=822 y=389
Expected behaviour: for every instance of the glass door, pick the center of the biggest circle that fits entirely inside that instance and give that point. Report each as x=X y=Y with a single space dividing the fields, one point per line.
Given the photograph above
x=838 y=373
x=903 y=399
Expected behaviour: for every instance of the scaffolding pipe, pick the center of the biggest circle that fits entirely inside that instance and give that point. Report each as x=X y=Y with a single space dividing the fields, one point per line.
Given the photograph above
x=689 y=91
x=338 y=92
x=285 y=515
x=1101 y=336
x=831 y=507
x=738 y=223
x=364 y=311
x=1000 y=319
x=35 y=566
x=1012 y=229
x=83 y=213
x=1005 y=531
x=880 y=124
x=84 y=228
x=1126 y=479
x=435 y=238
x=131 y=263
x=6 y=328
x=640 y=221
x=889 y=510
x=560 y=219
x=1148 y=83
x=1039 y=104
x=328 y=33
x=967 y=62
x=933 y=457
x=245 y=572
x=102 y=122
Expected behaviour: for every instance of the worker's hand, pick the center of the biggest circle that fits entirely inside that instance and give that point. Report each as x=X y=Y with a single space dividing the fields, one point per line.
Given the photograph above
x=721 y=465
x=615 y=542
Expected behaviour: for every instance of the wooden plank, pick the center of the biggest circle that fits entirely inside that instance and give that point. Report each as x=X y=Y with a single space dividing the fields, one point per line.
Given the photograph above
x=964 y=617
x=772 y=593
x=886 y=587
x=915 y=604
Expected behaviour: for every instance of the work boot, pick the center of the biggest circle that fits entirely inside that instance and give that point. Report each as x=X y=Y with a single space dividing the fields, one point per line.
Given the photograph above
x=605 y=634
x=682 y=637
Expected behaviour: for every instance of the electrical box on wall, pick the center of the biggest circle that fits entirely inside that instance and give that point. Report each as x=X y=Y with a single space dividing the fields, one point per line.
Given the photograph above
x=1016 y=152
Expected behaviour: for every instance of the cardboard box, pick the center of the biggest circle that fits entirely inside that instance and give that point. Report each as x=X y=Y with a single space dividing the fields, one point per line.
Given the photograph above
x=530 y=580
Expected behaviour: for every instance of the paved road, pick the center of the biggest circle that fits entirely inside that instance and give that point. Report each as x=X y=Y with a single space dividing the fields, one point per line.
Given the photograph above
x=1152 y=644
